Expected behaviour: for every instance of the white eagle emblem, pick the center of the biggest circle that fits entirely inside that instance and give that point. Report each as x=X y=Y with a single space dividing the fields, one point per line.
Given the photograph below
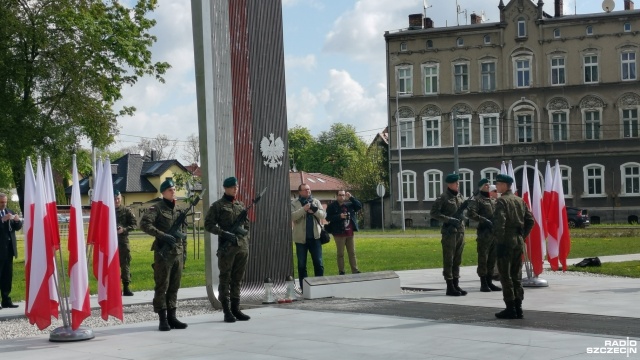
x=272 y=150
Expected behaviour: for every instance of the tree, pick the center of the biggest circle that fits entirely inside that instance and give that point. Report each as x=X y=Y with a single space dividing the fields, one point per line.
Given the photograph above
x=192 y=149
x=338 y=149
x=164 y=147
x=63 y=65
x=300 y=143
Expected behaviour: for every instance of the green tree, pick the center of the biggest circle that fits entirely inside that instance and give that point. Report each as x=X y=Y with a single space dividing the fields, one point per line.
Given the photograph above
x=366 y=173
x=63 y=65
x=337 y=150
x=300 y=143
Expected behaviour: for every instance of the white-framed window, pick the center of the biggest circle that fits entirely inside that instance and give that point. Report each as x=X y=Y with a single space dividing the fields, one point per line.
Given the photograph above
x=490 y=174
x=407 y=139
x=405 y=78
x=430 y=76
x=559 y=126
x=488 y=76
x=628 y=63
x=466 y=182
x=461 y=77
x=432 y=184
x=408 y=185
x=565 y=174
x=558 y=71
x=556 y=33
x=487 y=39
x=630 y=173
x=592 y=124
x=429 y=44
x=431 y=128
x=522 y=28
x=489 y=129
x=589 y=30
x=630 y=123
x=593 y=180
x=524 y=128
x=522 y=72
x=463 y=127
x=460 y=41
x=403 y=46
x=590 y=68
x=627 y=27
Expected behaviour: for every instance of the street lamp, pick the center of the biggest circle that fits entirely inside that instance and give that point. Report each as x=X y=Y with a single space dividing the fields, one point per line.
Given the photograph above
x=400 y=182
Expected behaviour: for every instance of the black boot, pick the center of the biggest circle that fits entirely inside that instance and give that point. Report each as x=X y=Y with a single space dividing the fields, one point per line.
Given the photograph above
x=509 y=312
x=483 y=284
x=173 y=320
x=125 y=289
x=451 y=290
x=490 y=284
x=164 y=325
x=235 y=310
x=519 y=313
x=228 y=316
x=455 y=285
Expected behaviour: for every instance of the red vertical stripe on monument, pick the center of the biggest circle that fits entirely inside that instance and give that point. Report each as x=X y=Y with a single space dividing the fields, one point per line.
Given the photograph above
x=241 y=91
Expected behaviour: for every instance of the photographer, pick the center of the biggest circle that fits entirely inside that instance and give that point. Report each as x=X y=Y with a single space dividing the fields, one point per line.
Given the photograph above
x=307 y=214
x=343 y=223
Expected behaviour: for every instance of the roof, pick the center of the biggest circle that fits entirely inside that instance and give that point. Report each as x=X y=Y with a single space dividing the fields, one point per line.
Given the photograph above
x=194 y=169
x=381 y=137
x=316 y=181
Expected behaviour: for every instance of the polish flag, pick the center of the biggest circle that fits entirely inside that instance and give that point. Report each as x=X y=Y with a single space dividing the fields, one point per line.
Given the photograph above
x=536 y=243
x=106 y=262
x=559 y=241
x=510 y=172
x=546 y=197
x=52 y=206
x=94 y=209
x=27 y=227
x=78 y=273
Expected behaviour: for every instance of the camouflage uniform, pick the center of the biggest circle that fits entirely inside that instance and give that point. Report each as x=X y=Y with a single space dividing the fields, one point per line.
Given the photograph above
x=452 y=236
x=167 y=264
x=481 y=209
x=126 y=220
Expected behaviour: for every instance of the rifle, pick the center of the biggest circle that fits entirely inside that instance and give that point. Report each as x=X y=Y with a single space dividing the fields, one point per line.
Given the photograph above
x=459 y=214
x=175 y=228
x=238 y=226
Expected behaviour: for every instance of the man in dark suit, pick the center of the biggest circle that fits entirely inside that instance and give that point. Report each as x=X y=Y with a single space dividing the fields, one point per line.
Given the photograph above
x=8 y=249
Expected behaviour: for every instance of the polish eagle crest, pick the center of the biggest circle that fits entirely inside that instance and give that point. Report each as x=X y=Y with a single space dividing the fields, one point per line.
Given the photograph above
x=272 y=150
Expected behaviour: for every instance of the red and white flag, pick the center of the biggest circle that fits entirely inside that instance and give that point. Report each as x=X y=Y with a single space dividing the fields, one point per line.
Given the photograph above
x=78 y=273
x=546 y=197
x=525 y=187
x=536 y=243
x=52 y=206
x=106 y=262
x=559 y=241
x=514 y=187
x=97 y=177
x=27 y=227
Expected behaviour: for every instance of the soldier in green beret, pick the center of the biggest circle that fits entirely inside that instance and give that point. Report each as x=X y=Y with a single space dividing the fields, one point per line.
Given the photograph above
x=126 y=223
x=234 y=256
x=452 y=233
x=167 y=265
x=512 y=223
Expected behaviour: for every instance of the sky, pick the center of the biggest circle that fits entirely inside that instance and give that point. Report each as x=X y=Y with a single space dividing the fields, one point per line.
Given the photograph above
x=334 y=63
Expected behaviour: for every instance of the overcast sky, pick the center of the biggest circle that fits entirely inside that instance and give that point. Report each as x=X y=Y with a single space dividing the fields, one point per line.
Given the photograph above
x=334 y=59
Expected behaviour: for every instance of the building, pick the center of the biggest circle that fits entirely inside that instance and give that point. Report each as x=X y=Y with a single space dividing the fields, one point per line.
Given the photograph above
x=531 y=86
x=323 y=187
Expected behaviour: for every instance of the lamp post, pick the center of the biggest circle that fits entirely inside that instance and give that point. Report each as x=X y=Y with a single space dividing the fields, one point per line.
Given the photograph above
x=400 y=180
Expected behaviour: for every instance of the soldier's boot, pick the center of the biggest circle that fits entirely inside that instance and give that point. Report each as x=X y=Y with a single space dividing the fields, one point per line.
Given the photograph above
x=164 y=325
x=490 y=284
x=509 y=312
x=451 y=290
x=519 y=313
x=235 y=310
x=173 y=320
x=483 y=284
x=455 y=285
x=228 y=315
x=125 y=289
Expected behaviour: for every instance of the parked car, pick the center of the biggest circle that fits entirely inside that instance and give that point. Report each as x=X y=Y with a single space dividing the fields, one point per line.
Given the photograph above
x=577 y=218
x=62 y=219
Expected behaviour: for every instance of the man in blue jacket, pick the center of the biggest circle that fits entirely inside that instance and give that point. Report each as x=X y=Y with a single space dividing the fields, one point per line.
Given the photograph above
x=343 y=223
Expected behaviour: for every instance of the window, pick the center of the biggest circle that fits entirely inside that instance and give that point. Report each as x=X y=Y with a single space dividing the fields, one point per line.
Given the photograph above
x=487 y=39
x=405 y=79
x=525 y=128
x=592 y=125
x=523 y=72
x=565 y=174
x=430 y=73
x=460 y=41
x=589 y=30
x=559 y=126
x=522 y=28
x=591 y=68
x=408 y=185
x=630 y=123
x=429 y=44
x=463 y=127
x=489 y=134
x=628 y=61
x=488 y=76
x=406 y=133
x=461 y=77
x=594 y=180
x=466 y=182
x=432 y=184
x=431 y=134
x=490 y=174
x=557 y=71
x=630 y=178
x=403 y=46
x=556 y=33
x=627 y=27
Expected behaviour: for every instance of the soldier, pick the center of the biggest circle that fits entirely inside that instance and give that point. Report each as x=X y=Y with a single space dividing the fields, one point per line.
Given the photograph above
x=126 y=222
x=452 y=233
x=481 y=209
x=233 y=248
x=512 y=222
x=167 y=256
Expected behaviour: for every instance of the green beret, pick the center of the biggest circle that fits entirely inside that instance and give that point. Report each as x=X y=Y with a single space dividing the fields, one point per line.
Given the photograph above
x=166 y=184
x=116 y=192
x=482 y=182
x=230 y=182
x=504 y=178
x=451 y=178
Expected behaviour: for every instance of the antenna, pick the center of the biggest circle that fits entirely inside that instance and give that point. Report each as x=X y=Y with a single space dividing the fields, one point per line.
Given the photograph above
x=425 y=6
x=608 y=5
x=484 y=17
x=458 y=12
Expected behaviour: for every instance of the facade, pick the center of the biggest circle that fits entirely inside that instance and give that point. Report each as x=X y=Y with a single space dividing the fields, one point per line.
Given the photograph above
x=529 y=87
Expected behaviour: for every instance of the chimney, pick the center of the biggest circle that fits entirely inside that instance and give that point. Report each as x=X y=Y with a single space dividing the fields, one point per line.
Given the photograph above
x=428 y=23
x=558 y=8
x=415 y=21
x=628 y=5
x=475 y=19
x=154 y=155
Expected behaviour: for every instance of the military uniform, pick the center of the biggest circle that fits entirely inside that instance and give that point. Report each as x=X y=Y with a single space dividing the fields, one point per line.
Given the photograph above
x=481 y=209
x=126 y=220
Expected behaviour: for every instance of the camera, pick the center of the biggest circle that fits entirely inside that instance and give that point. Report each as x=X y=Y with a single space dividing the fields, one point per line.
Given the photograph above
x=312 y=206
x=346 y=220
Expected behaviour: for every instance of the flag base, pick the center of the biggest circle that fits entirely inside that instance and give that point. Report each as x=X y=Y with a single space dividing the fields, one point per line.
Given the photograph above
x=534 y=282
x=65 y=334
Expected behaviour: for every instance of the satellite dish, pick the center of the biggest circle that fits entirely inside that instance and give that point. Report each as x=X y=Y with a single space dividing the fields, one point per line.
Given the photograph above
x=608 y=5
